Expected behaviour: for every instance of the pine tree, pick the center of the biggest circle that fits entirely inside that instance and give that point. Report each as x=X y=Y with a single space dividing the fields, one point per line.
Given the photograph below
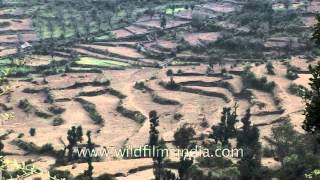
x=311 y=123
x=79 y=134
x=248 y=140
x=183 y=136
x=72 y=138
x=316 y=33
x=154 y=142
x=270 y=68
x=153 y=132
x=226 y=128
x=90 y=146
x=163 y=21
x=184 y=166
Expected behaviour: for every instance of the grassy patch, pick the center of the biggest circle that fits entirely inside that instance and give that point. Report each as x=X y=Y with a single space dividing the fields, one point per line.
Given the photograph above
x=176 y=10
x=101 y=62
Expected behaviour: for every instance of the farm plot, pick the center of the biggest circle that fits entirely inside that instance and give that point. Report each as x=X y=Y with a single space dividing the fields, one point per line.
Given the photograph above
x=15 y=25
x=10 y=39
x=156 y=23
x=136 y=29
x=88 y=61
x=314 y=7
x=167 y=44
x=196 y=38
x=120 y=51
x=4 y=51
x=121 y=33
x=220 y=7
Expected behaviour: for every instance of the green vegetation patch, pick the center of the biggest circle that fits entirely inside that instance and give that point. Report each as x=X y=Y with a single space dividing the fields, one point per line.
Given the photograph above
x=175 y=10
x=101 y=62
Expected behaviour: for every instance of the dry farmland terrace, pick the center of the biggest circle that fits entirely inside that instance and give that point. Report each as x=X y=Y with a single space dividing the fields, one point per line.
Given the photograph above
x=201 y=96
x=108 y=81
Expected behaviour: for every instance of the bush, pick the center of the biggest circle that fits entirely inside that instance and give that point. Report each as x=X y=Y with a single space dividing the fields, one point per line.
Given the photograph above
x=134 y=115
x=57 y=121
x=204 y=123
x=91 y=109
x=32 y=131
x=57 y=110
x=198 y=20
x=250 y=80
x=270 y=68
x=177 y=116
x=104 y=177
x=47 y=148
x=116 y=93
x=267 y=152
x=42 y=114
x=20 y=135
x=49 y=99
x=60 y=174
x=298 y=90
x=292 y=72
x=170 y=72
x=139 y=85
x=291 y=75
x=25 y=105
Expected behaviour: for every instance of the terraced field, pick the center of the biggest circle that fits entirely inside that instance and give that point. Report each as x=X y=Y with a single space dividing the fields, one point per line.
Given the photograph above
x=109 y=81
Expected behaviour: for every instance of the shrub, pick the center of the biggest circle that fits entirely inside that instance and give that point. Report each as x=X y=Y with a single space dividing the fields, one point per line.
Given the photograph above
x=177 y=116
x=292 y=72
x=204 y=123
x=170 y=72
x=292 y=75
x=270 y=68
x=47 y=148
x=91 y=109
x=139 y=85
x=198 y=20
x=56 y=109
x=57 y=121
x=104 y=177
x=49 y=98
x=134 y=115
x=20 y=135
x=298 y=90
x=42 y=114
x=32 y=131
x=267 y=152
x=59 y=174
x=116 y=93
x=250 y=80
x=25 y=105
x=163 y=101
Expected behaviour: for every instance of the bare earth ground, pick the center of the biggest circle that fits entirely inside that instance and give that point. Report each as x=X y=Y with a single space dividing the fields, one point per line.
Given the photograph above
x=17 y=24
x=14 y=39
x=195 y=38
x=119 y=131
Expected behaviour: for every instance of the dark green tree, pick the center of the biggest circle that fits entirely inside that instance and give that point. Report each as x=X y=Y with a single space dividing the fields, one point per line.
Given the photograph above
x=72 y=139
x=153 y=132
x=311 y=123
x=90 y=146
x=316 y=33
x=154 y=142
x=184 y=167
x=270 y=68
x=163 y=22
x=226 y=128
x=32 y=131
x=248 y=140
x=183 y=136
